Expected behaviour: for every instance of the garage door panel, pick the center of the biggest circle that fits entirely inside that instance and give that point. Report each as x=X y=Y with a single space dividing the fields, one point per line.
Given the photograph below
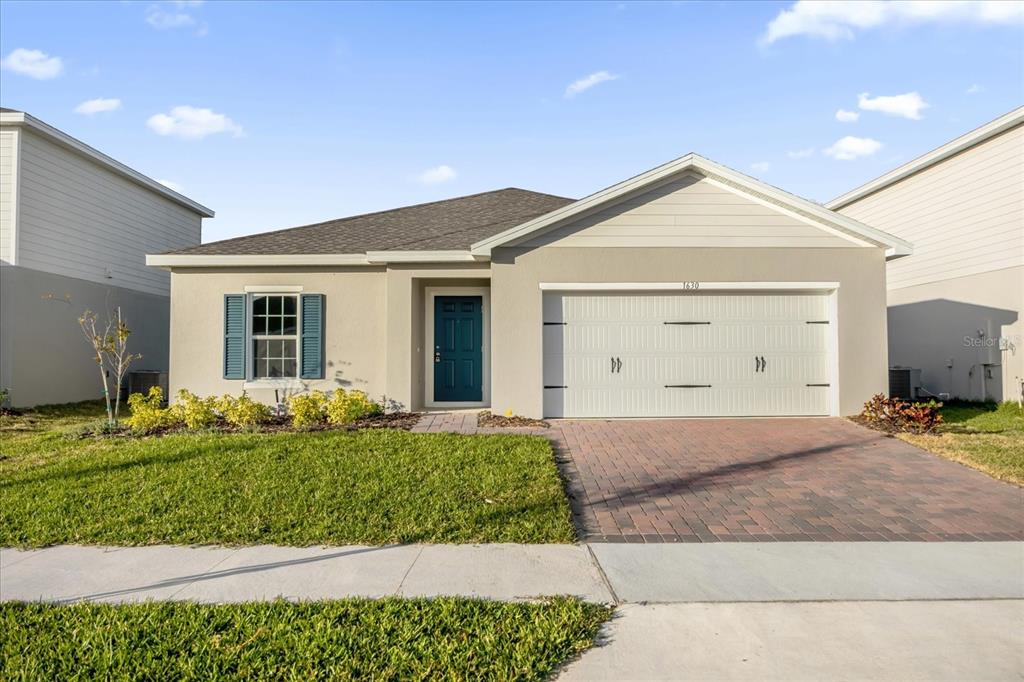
x=686 y=354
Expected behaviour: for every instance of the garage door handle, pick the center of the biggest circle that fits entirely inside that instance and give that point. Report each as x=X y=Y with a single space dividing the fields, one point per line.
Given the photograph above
x=618 y=365
x=613 y=365
x=757 y=364
x=763 y=363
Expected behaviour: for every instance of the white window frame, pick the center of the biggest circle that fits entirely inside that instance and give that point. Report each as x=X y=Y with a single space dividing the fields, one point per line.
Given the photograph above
x=251 y=381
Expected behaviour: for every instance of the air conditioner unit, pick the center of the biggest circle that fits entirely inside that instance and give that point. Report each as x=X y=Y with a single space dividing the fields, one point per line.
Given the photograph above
x=904 y=383
x=142 y=380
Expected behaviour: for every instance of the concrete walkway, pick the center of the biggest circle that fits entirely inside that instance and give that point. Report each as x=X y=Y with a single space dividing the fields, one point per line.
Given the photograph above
x=680 y=573
x=785 y=611
x=923 y=640
x=214 y=574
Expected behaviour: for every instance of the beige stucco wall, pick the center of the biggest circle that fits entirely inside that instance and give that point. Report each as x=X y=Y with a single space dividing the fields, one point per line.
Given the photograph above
x=375 y=317
x=374 y=327
x=406 y=329
x=516 y=370
x=44 y=358
x=935 y=327
x=354 y=334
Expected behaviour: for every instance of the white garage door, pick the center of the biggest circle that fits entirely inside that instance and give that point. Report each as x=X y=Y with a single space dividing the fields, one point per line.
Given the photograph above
x=700 y=355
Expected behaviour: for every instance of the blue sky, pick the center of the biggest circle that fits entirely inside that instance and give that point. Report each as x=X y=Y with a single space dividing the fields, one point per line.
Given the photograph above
x=283 y=114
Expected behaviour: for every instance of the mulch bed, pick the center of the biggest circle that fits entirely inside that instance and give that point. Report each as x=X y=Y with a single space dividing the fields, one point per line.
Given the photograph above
x=882 y=427
x=401 y=421
x=492 y=420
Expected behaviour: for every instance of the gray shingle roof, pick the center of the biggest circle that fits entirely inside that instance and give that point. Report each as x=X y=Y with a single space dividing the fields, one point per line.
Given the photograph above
x=451 y=224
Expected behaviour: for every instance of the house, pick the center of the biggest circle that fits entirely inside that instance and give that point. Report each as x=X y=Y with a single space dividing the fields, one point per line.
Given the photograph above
x=75 y=226
x=688 y=290
x=955 y=306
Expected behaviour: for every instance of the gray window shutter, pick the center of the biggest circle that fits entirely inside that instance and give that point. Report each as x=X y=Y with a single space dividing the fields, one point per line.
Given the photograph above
x=234 y=336
x=312 y=336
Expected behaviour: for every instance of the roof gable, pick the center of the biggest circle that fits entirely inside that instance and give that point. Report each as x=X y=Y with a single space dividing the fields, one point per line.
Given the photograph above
x=755 y=190
x=951 y=148
x=690 y=211
x=13 y=117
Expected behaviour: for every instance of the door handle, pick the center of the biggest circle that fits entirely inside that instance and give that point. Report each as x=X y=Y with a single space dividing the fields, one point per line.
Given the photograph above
x=757 y=364
x=618 y=365
x=763 y=363
x=437 y=357
x=613 y=365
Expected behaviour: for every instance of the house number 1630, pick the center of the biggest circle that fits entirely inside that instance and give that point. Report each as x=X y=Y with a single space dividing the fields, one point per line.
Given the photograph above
x=691 y=286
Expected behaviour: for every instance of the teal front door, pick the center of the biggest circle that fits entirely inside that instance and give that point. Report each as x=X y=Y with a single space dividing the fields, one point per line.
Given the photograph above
x=458 y=349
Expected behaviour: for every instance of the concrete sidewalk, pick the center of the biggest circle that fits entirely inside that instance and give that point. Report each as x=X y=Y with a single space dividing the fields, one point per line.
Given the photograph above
x=622 y=573
x=214 y=574
x=922 y=640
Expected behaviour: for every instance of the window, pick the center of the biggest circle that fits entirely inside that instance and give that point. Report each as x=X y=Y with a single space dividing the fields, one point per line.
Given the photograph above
x=275 y=336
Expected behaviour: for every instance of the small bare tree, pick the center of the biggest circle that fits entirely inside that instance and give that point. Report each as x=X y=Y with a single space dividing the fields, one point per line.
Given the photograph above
x=110 y=351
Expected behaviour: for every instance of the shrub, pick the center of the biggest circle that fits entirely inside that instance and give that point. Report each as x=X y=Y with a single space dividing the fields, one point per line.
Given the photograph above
x=894 y=414
x=147 y=411
x=346 y=407
x=243 y=411
x=194 y=412
x=308 y=409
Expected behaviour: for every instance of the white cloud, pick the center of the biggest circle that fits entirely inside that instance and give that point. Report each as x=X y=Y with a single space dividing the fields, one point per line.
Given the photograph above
x=161 y=19
x=169 y=184
x=849 y=147
x=33 y=63
x=191 y=123
x=974 y=89
x=587 y=82
x=907 y=105
x=761 y=166
x=801 y=153
x=171 y=15
x=437 y=175
x=98 y=105
x=845 y=116
x=839 y=19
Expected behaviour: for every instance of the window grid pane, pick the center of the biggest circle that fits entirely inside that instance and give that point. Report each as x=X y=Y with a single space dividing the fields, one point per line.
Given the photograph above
x=274 y=358
x=276 y=317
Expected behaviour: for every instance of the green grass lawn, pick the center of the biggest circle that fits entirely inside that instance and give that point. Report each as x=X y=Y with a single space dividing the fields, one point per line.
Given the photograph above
x=392 y=638
x=372 y=487
x=984 y=436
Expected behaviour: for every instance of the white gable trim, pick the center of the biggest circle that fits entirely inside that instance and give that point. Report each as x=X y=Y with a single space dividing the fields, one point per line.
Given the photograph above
x=962 y=143
x=805 y=210
x=19 y=118
x=796 y=216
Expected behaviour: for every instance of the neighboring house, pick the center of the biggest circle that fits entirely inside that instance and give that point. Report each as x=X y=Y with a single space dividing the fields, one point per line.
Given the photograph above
x=688 y=290
x=955 y=306
x=75 y=226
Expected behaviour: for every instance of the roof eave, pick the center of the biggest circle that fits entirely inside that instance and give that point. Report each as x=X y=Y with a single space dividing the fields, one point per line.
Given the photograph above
x=27 y=120
x=187 y=260
x=962 y=143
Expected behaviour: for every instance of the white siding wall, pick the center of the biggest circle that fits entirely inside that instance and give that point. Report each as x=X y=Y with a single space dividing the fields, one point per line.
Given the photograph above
x=689 y=212
x=964 y=215
x=8 y=159
x=79 y=219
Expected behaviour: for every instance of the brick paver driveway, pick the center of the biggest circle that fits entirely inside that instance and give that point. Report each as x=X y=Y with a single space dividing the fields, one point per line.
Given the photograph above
x=678 y=480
